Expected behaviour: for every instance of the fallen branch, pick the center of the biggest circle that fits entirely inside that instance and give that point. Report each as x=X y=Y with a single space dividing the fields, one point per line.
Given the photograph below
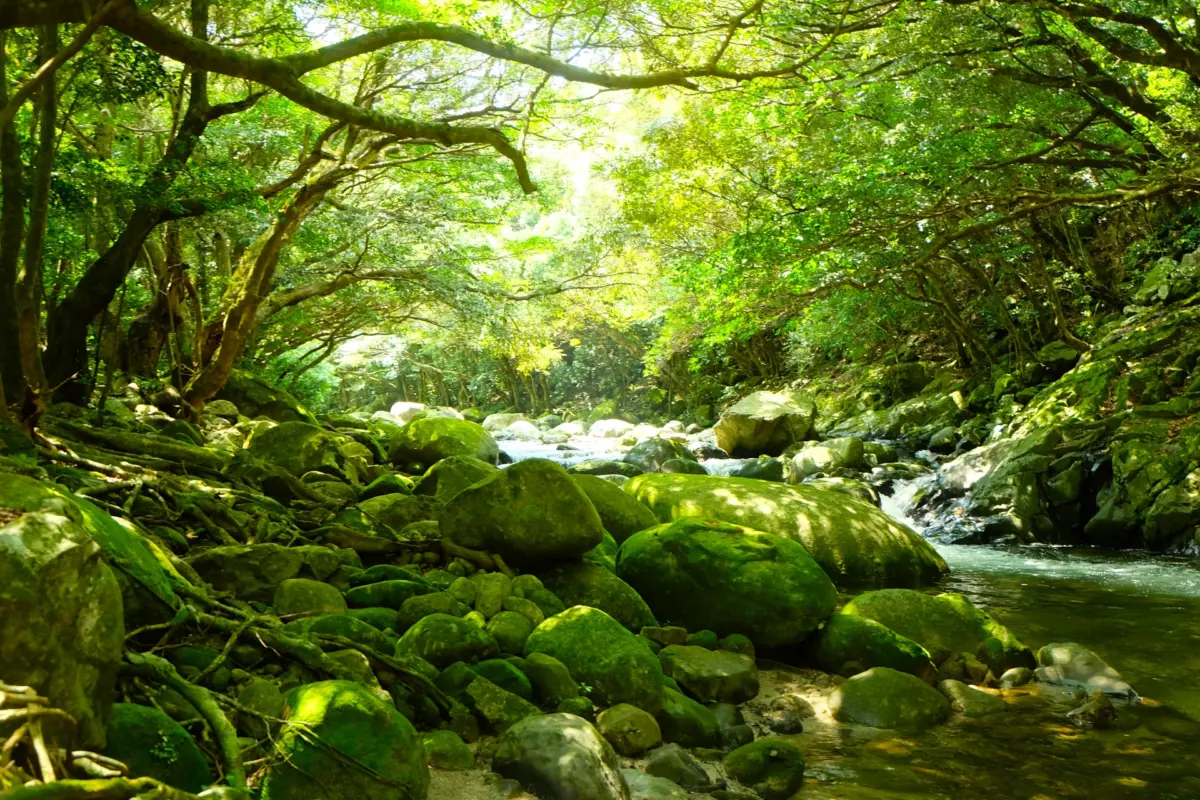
x=107 y=789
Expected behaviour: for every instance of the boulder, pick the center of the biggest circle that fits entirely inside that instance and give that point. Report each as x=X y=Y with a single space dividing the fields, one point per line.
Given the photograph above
x=255 y=397
x=340 y=736
x=610 y=428
x=252 y=571
x=849 y=644
x=764 y=423
x=968 y=700
x=429 y=440
x=506 y=675
x=530 y=513
x=859 y=490
x=405 y=413
x=584 y=584
x=704 y=574
x=855 y=543
x=772 y=768
x=345 y=626
x=497 y=708
x=832 y=454
x=630 y=730
x=61 y=624
x=510 y=630
x=1073 y=665
x=675 y=764
x=386 y=594
x=686 y=722
x=945 y=621
x=886 y=698
x=683 y=466
x=761 y=468
x=155 y=746
x=602 y=654
x=551 y=680
x=648 y=787
x=560 y=757
x=442 y=640
x=521 y=431
x=711 y=675
x=395 y=512
x=448 y=477
x=446 y=750
x=601 y=467
x=302 y=596
x=604 y=555
x=414 y=609
x=651 y=454
x=620 y=513
x=495 y=423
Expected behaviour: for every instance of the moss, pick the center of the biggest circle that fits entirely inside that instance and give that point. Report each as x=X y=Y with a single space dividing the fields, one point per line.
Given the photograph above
x=386 y=594
x=850 y=639
x=430 y=439
x=685 y=722
x=773 y=768
x=590 y=585
x=255 y=397
x=621 y=513
x=153 y=745
x=356 y=630
x=886 y=698
x=451 y=475
x=442 y=639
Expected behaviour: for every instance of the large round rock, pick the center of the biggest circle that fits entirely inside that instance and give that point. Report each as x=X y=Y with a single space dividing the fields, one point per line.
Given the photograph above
x=530 y=513
x=622 y=514
x=601 y=654
x=560 y=757
x=707 y=575
x=764 y=423
x=886 y=698
x=342 y=741
x=849 y=643
x=584 y=584
x=430 y=439
x=854 y=542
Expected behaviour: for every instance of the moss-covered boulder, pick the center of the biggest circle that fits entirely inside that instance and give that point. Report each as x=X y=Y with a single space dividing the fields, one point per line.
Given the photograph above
x=855 y=543
x=255 y=397
x=497 y=708
x=849 y=644
x=428 y=440
x=711 y=676
x=61 y=626
x=703 y=574
x=395 y=512
x=386 y=594
x=253 y=571
x=530 y=513
x=389 y=483
x=551 y=680
x=510 y=630
x=602 y=466
x=620 y=512
x=630 y=730
x=602 y=654
x=584 y=584
x=348 y=627
x=346 y=740
x=446 y=750
x=945 y=621
x=155 y=746
x=506 y=675
x=650 y=455
x=442 y=639
x=886 y=698
x=451 y=475
x=560 y=757
x=686 y=722
x=764 y=423
x=844 y=452
x=772 y=768
x=604 y=555
x=417 y=608
x=303 y=596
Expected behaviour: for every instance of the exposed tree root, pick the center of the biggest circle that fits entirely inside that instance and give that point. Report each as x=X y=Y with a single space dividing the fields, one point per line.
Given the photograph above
x=105 y=789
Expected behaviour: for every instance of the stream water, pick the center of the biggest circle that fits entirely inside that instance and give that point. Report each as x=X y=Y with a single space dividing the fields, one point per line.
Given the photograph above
x=1139 y=612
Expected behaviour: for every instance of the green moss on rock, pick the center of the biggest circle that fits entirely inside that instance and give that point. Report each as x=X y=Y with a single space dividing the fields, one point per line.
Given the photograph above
x=155 y=746
x=852 y=643
x=583 y=584
x=430 y=439
x=620 y=512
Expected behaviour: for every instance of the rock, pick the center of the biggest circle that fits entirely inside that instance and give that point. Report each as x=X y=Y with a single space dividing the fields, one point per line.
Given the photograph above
x=495 y=423
x=506 y=675
x=786 y=713
x=446 y=750
x=442 y=639
x=526 y=608
x=832 y=454
x=529 y=514
x=683 y=466
x=1097 y=712
x=700 y=573
x=970 y=701
x=648 y=787
x=885 y=698
x=609 y=428
x=772 y=768
x=522 y=431
x=464 y=590
x=590 y=585
x=737 y=643
x=255 y=397
x=547 y=601
x=343 y=625
x=297 y=596
x=686 y=722
x=417 y=608
x=551 y=680
x=579 y=706
x=448 y=477
x=604 y=555
x=665 y=636
x=761 y=468
x=620 y=513
x=630 y=730
x=1017 y=676
x=223 y=409
x=848 y=639
x=560 y=757
x=323 y=739
x=492 y=590
x=602 y=654
x=764 y=423
x=511 y=631
x=252 y=571
x=598 y=467
x=298 y=447
x=429 y=440
x=264 y=697
x=386 y=594
x=498 y=709
x=651 y=454
x=387 y=572
x=944 y=440
x=711 y=675
x=155 y=746
x=859 y=490
x=61 y=623
x=1057 y=357
x=946 y=621
x=391 y=483
x=855 y=543
x=395 y=512
x=404 y=412
x=677 y=765
x=1070 y=664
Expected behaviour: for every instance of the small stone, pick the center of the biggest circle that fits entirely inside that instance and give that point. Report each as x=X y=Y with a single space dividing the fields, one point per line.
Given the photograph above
x=628 y=729
x=665 y=635
x=970 y=701
x=706 y=639
x=579 y=706
x=711 y=675
x=675 y=764
x=1017 y=676
x=786 y=713
x=772 y=768
x=492 y=587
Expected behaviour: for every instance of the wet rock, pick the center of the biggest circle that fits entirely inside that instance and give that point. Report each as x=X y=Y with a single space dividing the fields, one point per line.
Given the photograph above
x=429 y=440
x=832 y=454
x=854 y=543
x=560 y=757
x=859 y=490
x=323 y=736
x=848 y=639
x=446 y=750
x=970 y=701
x=944 y=440
x=529 y=513
x=711 y=675
x=303 y=596
x=651 y=454
x=648 y=787
x=155 y=746
x=764 y=423
x=600 y=467
x=590 y=585
x=786 y=713
x=630 y=730
x=677 y=765
x=621 y=514
x=701 y=573
x=1073 y=665
x=685 y=722
x=1017 y=676
x=602 y=654
x=773 y=768
x=1096 y=712
x=442 y=639
x=885 y=698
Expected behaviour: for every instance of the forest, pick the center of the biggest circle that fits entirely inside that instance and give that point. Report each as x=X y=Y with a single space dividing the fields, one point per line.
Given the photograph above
x=599 y=399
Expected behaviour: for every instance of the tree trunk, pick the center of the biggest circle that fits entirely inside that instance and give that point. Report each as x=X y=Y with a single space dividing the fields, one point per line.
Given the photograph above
x=12 y=230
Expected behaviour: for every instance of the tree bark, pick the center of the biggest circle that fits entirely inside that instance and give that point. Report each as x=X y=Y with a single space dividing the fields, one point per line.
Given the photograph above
x=12 y=231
